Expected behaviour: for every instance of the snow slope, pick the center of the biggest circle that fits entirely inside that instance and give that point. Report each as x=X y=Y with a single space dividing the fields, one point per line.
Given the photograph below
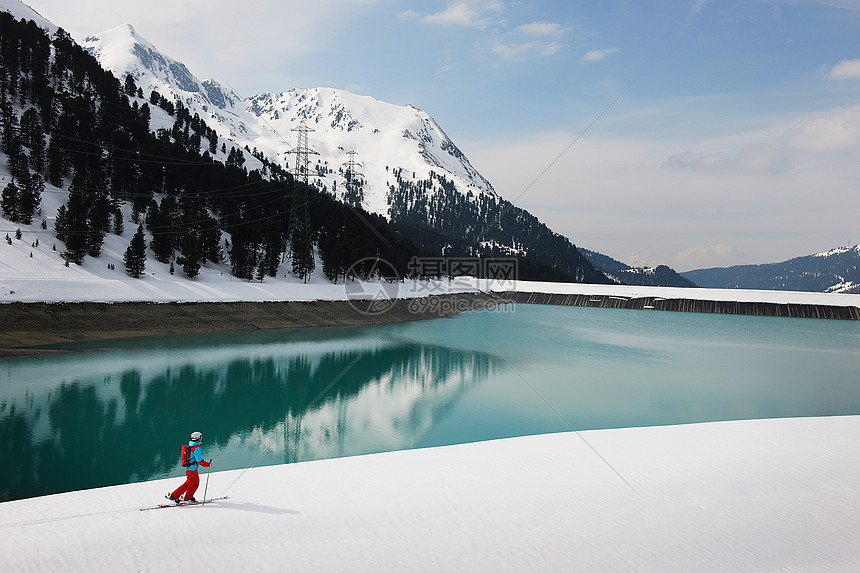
x=385 y=136
x=20 y=10
x=765 y=495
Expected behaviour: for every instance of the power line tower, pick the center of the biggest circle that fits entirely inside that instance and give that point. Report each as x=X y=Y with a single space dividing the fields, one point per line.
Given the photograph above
x=301 y=248
x=354 y=192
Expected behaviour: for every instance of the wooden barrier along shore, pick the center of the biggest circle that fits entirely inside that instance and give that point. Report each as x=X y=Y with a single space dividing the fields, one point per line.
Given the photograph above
x=685 y=305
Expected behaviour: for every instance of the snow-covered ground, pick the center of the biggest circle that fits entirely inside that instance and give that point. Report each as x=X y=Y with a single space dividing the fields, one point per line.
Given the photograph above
x=629 y=291
x=762 y=495
x=33 y=270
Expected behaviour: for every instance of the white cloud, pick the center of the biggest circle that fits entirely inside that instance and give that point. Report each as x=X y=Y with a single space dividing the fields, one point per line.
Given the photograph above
x=598 y=55
x=458 y=14
x=830 y=131
x=524 y=49
x=409 y=15
x=691 y=256
x=467 y=13
x=541 y=28
x=513 y=51
x=699 y=5
x=551 y=49
x=758 y=157
x=502 y=37
x=845 y=70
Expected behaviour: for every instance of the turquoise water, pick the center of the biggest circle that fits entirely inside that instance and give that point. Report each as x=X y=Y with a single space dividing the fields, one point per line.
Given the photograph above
x=119 y=412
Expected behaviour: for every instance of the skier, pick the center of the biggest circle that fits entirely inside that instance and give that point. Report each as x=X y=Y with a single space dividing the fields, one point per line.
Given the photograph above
x=192 y=480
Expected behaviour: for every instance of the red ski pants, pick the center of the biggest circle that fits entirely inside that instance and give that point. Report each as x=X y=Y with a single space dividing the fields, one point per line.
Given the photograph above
x=192 y=481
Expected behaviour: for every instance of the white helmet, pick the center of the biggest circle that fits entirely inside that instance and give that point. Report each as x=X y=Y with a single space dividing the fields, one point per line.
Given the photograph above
x=196 y=437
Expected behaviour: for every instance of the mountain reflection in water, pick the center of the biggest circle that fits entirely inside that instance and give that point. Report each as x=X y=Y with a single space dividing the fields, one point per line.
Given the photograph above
x=111 y=424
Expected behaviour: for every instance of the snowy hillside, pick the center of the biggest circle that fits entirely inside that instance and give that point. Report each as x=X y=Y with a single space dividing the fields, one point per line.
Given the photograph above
x=21 y=10
x=122 y=51
x=385 y=137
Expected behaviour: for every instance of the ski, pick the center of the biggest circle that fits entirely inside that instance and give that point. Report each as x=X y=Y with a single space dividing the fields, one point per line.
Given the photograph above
x=181 y=504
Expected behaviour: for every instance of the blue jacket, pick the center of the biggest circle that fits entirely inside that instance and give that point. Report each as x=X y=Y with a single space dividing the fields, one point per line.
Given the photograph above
x=196 y=456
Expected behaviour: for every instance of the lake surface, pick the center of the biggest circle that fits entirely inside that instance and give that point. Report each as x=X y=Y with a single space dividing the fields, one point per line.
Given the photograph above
x=119 y=412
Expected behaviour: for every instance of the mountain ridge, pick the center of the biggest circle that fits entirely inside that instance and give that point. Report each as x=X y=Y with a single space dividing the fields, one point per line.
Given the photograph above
x=408 y=170
x=661 y=275
x=835 y=270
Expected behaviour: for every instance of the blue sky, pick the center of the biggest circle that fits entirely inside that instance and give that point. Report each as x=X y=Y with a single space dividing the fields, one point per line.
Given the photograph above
x=736 y=142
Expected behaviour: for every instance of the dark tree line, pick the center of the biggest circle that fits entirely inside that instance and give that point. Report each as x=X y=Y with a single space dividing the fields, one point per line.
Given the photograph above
x=434 y=214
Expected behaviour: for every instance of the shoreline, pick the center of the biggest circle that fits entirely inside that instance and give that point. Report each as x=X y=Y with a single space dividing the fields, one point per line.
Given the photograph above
x=34 y=328
x=685 y=304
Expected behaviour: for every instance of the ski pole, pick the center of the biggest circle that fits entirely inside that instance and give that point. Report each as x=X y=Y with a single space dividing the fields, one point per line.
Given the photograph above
x=207 y=482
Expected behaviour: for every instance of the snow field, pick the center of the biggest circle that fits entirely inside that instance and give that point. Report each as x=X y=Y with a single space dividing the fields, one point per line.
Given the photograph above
x=760 y=495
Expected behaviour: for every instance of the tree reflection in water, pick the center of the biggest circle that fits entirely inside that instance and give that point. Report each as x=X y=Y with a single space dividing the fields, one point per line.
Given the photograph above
x=93 y=431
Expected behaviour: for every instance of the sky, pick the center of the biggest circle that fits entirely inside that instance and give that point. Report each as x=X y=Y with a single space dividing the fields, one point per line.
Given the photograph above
x=694 y=133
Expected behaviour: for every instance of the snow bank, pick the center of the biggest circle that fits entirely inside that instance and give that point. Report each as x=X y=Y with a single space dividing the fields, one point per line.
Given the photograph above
x=629 y=291
x=33 y=270
x=759 y=495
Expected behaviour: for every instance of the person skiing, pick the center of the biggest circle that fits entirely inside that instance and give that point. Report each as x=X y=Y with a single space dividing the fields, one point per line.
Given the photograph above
x=192 y=479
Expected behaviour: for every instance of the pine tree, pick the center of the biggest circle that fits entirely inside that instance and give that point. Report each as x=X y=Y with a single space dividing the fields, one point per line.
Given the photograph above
x=33 y=137
x=118 y=223
x=302 y=259
x=7 y=122
x=243 y=258
x=16 y=159
x=60 y=223
x=32 y=186
x=98 y=222
x=56 y=160
x=135 y=254
x=10 y=201
x=192 y=256
x=130 y=89
x=75 y=225
x=210 y=238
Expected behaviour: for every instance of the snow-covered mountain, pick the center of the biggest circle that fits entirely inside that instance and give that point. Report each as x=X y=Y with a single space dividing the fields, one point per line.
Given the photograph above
x=660 y=275
x=385 y=137
x=395 y=161
x=20 y=10
x=835 y=270
x=122 y=51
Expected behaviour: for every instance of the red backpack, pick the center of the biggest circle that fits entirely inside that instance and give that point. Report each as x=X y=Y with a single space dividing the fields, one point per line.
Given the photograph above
x=185 y=456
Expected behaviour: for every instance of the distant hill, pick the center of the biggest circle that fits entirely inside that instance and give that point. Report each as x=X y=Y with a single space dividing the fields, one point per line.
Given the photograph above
x=660 y=275
x=833 y=271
